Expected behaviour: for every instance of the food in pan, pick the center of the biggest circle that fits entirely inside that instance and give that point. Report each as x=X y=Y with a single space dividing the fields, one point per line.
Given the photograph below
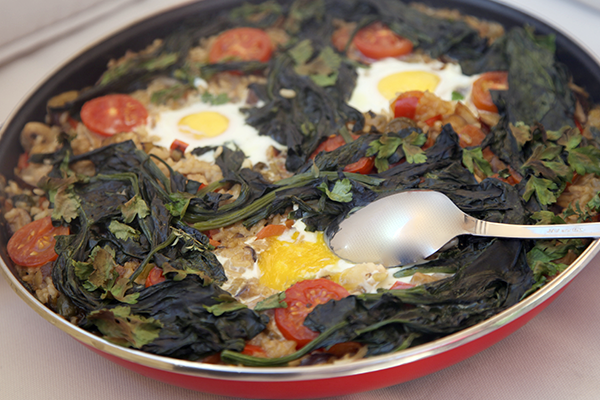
x=179 y=206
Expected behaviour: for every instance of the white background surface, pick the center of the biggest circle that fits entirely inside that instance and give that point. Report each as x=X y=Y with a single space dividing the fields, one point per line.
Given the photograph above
x=555 y=356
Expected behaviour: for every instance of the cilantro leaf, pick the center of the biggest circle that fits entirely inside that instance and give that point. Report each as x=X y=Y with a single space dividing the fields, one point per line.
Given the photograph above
x=66 y=205
x=542 y=188
x=456 y=96
x=174 y=92
x=119 y=288
x=342 y=190
x=101 y=273
x=411 y=145
x=274 y=301
x=585 y=160
x=136 y=206
x=219 y=99
x=325 y=80
x=123 y=231
x=386 y=146
x=301 y=52
x=472 y=157
x=104 y=272
x=594 y=203
x=323 y=70
x=226 y=306
x=570 y=138
x=179 y=204
x=119 y=326
x=521 y=132
x=546 y=218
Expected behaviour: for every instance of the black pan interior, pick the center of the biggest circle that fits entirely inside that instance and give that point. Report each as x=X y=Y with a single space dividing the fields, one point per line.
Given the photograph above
x=86 y=68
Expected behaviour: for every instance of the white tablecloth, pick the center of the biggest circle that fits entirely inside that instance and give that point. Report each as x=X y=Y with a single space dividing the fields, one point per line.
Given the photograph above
x=555 y=356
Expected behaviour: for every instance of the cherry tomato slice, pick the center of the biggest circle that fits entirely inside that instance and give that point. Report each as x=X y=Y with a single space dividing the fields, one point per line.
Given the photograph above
x=341 y=349
x=578 y=125
x=241 y=44
x=253 y=350
x=470 y=135
x=377 y=41
x=340 y=38
x=112 y=114
x=271 y=230
x=179 y=145
x=362 y=166
x=431 y=121
x=155 y=276
x=330 y=144
x=33 y=245
x=406 y=104
x=482 y=99
x=301 y=299
x=401 y=285
x=23 y=161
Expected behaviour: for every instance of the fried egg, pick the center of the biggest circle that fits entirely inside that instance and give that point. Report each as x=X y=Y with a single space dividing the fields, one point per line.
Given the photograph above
x=379 y=84
x=298 y=255
x=204 y=124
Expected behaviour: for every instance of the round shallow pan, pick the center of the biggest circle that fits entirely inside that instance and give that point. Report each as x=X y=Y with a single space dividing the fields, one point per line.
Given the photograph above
x=294 y=382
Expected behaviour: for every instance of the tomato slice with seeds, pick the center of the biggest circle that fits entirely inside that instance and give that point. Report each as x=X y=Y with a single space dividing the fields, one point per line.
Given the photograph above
x=33 y=244
x=377 y=41
x=112 y=114
x=241 y=44
x=495 y=80
x=301 y=299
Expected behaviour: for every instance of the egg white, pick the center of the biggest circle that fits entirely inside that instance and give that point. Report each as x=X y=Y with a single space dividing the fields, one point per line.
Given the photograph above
x=165 y=128
x=366 y=96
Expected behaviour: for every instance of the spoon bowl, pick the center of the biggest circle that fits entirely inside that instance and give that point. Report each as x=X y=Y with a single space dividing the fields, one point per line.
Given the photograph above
x=407 y=227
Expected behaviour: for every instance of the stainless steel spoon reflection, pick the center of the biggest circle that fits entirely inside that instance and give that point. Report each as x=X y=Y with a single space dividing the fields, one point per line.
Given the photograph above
x=407 y=227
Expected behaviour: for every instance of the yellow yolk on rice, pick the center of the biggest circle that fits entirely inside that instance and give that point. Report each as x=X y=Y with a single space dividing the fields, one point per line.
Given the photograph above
x=284 y=263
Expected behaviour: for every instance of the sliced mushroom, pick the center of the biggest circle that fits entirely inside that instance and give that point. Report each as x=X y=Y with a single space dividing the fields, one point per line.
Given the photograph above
x=397 y=124
x=37 y=137
x=62 y=99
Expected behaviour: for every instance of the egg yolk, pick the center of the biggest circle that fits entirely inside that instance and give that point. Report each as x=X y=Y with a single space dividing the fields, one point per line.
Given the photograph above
x=400 y=82
x=203 y=124
x=284 y=263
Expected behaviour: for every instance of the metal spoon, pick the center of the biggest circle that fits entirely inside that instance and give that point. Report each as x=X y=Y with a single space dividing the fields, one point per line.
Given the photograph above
x=407 y=227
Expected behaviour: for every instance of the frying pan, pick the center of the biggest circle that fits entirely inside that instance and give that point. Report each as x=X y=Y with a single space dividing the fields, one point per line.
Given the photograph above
x=299 y=382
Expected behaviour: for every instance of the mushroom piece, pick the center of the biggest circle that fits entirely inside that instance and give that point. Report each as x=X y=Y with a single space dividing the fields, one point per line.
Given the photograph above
x=37 y=137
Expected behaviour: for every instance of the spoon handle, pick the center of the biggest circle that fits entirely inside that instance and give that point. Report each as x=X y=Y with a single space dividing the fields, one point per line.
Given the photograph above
x=493 y=229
